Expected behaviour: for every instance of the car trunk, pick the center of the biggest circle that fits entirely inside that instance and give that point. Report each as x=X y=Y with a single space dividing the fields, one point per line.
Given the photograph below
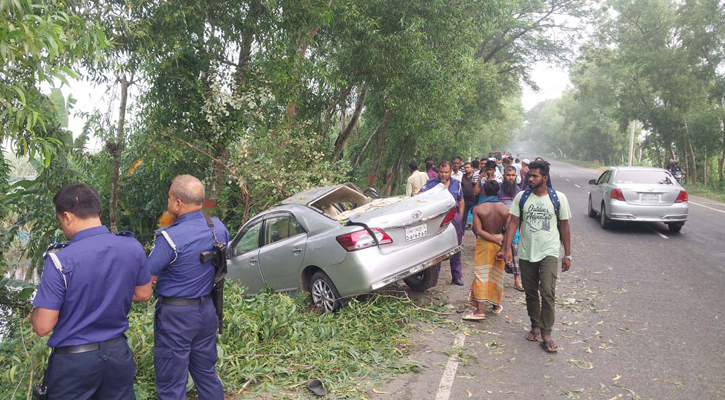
x=642 y=194
x=406 y=220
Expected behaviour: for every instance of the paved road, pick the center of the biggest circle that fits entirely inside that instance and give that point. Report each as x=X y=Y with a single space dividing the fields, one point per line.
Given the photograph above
x=640 y=315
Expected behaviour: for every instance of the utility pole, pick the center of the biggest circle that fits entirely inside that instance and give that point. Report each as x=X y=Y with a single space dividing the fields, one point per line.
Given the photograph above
x=631 y=145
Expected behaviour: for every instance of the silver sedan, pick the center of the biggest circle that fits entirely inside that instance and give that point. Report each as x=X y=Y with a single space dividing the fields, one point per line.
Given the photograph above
x=335 y=242
x=638 y=194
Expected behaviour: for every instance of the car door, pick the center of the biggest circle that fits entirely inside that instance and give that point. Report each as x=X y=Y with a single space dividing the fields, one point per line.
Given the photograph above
x=283 y=251
x=243 y=264
x=598 y=190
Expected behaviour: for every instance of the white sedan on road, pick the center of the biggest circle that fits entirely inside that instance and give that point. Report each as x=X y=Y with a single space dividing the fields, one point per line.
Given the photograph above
x=638 y=194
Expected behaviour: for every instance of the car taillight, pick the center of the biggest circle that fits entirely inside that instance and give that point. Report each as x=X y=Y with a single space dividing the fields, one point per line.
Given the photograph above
x=682 y=197
x=449 y=217
x=617 y=194
x=359 y=240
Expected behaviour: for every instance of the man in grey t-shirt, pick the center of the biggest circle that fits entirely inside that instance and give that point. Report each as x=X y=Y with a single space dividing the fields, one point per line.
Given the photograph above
x=539 y=244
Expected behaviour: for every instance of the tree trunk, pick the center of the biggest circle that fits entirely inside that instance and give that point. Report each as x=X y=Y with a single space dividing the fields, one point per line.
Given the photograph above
x=218 y=179
x=302 y=45
x=392 y=174
x=693 y=177
x=116 y=150
x=330 y=111
x=380 y=131
x=345 y=134
x=245 y=52
x=721 y=162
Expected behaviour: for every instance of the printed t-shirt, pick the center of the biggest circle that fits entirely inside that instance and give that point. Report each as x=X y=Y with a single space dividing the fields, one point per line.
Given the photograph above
x=539 y=233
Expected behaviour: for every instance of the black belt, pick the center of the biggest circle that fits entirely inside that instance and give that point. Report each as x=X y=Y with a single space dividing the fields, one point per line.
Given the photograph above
x=84 y=348
x=181 y=301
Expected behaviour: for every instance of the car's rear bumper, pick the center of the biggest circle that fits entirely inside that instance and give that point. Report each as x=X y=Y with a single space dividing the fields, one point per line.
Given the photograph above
x=621 y=211
x=416 y=268
x=370 y=269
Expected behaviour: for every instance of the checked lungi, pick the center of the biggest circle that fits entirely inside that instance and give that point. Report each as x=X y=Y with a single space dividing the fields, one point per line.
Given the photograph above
x=488 y=273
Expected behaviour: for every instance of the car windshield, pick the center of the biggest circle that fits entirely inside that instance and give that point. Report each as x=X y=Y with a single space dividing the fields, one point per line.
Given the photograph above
x=652 y=177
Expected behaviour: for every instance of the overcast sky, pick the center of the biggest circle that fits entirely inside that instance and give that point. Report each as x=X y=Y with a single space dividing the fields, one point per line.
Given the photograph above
x=552 y=81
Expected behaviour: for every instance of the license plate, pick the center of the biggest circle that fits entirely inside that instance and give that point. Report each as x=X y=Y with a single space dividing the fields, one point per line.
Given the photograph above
x=649 y=197
x=416 y=232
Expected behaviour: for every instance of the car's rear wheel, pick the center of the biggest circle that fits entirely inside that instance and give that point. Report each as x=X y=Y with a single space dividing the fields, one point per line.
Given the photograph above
x=592 y=213
x=324 y=293
x=424 y=280
x=604 y=222
x=675 y=227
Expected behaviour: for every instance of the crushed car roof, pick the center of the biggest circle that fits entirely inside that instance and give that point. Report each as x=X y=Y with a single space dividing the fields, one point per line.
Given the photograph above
x=310 y=196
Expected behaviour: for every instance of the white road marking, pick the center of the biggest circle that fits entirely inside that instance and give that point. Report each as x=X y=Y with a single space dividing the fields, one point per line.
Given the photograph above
x=657 y=232
x=702 y=205
x=577 y=185
x=568 y=180
x=444 y=388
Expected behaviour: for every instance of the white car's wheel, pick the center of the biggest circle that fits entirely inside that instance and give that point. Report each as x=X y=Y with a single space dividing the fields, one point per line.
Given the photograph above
x=592 y=213
x=324 y=293
x=604 y=221
x=675 y=227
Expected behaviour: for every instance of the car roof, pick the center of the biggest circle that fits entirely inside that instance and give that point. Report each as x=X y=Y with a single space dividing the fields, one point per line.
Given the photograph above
x=626 y=168
x=310 y=196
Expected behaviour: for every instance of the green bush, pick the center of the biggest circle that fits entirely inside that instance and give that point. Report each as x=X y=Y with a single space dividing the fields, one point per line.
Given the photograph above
x=271 y=342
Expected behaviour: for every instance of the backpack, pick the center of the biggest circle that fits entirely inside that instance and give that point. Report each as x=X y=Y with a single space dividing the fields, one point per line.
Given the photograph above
x=552 y=196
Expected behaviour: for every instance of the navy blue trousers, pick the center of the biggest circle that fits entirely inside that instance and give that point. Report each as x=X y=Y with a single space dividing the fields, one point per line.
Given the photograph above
x=102 y=374
x=456 y=266
x=185 y=342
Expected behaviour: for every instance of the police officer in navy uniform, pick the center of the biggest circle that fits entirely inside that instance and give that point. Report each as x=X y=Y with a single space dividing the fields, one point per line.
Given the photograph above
x=185 y=324
x=84 y=297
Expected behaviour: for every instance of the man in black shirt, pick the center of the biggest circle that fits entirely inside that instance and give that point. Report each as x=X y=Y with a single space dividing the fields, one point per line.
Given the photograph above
x=468 y=185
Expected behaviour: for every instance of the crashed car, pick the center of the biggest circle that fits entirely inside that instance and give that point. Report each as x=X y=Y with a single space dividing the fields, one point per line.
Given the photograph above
x=335 y=242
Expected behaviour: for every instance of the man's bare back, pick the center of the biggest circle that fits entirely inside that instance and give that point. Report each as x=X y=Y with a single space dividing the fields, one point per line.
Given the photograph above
x=489 y=220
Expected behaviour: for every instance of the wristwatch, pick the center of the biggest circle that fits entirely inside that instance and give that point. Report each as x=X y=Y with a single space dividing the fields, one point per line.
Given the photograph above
x=568 y=257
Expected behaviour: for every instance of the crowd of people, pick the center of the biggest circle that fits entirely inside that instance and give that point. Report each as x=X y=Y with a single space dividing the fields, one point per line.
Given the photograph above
x=520 y=223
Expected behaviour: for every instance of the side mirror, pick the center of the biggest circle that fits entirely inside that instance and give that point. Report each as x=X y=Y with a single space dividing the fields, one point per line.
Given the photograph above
x=592 y=181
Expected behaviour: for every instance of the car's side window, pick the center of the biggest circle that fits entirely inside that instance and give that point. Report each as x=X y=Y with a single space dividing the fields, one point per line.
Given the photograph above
x=604 y=178
x=295 y=228
x=249 y=240
x=276 y=229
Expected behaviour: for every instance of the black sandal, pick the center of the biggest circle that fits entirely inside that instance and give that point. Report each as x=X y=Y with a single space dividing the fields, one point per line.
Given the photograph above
x=547 y=346
x=535 y=334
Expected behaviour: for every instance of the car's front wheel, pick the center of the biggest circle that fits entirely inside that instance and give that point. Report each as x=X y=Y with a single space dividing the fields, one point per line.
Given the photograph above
x=324 y=293
x=592 y=213
x=675 y=227
x=423 y=280
x=604 y=222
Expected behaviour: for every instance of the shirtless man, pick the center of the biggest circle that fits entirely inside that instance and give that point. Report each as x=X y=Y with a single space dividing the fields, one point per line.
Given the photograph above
x=489 y=218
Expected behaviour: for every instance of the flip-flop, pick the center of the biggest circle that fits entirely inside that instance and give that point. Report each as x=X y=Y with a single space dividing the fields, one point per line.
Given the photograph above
x=500 y=310
x=546 y=345
x=537 y=335
x=315 y=386
x=474 y=317
x=519 y=288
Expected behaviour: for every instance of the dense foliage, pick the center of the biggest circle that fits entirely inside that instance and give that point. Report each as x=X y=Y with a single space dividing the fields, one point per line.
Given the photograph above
x=270 y=342
x=659 y=63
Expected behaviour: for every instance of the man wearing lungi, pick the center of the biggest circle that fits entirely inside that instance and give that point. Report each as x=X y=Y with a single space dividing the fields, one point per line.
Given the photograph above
x=489 y=217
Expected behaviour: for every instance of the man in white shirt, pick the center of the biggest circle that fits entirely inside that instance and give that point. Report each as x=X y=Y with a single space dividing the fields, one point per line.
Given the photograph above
x=456 y=165
x=416 y=181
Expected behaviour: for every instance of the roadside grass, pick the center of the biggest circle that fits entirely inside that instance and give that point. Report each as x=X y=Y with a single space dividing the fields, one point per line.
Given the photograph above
x=708 y=192
x=272 y=345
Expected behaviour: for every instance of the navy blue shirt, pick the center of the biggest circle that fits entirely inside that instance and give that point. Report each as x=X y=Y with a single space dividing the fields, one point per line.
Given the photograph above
x=454 y=188
x=102 y=271
x=181 y=273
